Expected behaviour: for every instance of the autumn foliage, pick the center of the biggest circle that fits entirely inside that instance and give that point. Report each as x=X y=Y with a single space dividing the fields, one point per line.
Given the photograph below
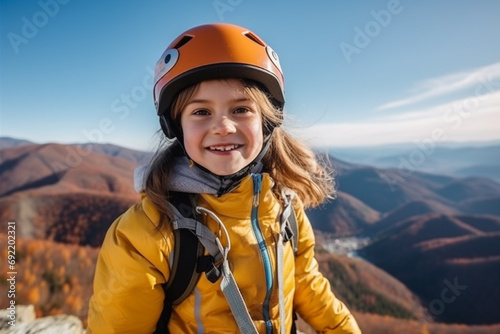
x=55 y=277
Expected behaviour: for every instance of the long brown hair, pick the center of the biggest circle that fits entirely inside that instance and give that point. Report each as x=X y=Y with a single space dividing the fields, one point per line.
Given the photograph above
x=291 y=163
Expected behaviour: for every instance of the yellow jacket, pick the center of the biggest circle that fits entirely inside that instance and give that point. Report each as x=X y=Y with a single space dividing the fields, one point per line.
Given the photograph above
x=134 y=263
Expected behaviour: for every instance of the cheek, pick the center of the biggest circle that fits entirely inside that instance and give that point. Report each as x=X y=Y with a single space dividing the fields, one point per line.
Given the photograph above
x=191 y=138
x=256 y=134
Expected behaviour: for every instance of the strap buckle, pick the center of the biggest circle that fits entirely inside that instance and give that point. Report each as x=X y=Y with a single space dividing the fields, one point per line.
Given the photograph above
x=207 y=265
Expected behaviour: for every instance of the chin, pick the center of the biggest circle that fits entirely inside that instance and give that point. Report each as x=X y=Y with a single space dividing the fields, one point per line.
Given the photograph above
x=225 y=172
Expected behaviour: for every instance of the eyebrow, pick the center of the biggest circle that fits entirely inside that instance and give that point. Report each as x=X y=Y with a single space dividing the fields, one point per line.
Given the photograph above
x=242 y=99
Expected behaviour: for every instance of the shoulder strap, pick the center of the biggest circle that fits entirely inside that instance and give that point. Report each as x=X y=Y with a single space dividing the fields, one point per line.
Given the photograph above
x=289 y=232
x=289 y=223
x=183 y=274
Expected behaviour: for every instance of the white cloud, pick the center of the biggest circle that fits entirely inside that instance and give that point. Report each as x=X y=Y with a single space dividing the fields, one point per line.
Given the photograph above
x=475 y=118
x=484 y=76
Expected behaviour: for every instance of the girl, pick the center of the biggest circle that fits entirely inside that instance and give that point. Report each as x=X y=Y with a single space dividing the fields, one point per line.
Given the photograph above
x=219 y=95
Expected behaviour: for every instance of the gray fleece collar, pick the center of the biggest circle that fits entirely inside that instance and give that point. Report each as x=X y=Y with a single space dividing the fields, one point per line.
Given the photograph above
x=190 y=179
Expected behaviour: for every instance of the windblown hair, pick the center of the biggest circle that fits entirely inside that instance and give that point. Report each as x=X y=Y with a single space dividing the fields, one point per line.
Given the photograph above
x=291 y=163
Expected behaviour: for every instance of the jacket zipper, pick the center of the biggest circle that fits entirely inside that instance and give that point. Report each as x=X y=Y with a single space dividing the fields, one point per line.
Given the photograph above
x=264 y=253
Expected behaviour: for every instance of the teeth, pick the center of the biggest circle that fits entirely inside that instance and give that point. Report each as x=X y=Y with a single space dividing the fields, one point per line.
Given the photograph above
x=223 y=148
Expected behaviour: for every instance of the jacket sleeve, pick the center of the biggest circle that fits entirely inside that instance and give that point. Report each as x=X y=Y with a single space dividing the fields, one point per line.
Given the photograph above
x=132 y=265
x=314 y=300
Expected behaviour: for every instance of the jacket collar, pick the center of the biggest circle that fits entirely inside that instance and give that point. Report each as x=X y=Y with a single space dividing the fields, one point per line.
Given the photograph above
x=195 y=179
x=239 y=201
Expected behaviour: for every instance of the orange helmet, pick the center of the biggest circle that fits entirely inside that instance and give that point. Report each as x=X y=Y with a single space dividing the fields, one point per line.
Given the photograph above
x=214 y=51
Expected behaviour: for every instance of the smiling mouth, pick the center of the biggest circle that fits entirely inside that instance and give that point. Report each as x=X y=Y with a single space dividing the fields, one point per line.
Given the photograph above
x=224 y=148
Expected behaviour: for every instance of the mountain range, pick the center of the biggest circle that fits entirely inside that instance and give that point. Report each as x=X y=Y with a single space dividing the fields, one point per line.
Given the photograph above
x=461 y=160
x=429 y=232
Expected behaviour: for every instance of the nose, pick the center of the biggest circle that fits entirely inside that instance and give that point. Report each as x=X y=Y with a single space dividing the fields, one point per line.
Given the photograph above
x=223 y=126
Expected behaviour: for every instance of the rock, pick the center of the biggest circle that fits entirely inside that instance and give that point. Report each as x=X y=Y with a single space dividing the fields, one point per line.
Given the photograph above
x=25 y=322
x=22 y=313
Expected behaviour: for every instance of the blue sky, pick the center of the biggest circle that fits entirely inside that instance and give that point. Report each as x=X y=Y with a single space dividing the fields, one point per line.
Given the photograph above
x=357 y=72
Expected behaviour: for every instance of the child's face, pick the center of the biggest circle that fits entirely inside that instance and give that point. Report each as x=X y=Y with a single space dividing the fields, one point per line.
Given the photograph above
x=222 y=127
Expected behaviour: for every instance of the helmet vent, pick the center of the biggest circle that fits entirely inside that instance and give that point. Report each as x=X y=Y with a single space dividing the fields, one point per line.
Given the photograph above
x=254 y=38
x=183 y=41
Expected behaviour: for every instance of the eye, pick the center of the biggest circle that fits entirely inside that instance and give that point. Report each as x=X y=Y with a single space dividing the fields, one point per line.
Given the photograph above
x=201 y=112
x=241 y=110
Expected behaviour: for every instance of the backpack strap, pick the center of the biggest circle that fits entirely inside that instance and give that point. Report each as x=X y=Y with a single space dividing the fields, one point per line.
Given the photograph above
x=289 y=232
x=185 y=270
x=289 y=226
x=183 y=278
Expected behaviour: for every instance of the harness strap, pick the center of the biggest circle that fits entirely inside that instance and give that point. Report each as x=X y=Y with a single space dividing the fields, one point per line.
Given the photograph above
x=289 y=226
x=281 y=284
x=228 y=284
x=206 y=237
x=235 y=300
x=289 y=232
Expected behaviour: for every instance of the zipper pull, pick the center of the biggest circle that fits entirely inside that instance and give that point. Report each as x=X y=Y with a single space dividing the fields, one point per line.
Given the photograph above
x=221 y=190
x=257 y=186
